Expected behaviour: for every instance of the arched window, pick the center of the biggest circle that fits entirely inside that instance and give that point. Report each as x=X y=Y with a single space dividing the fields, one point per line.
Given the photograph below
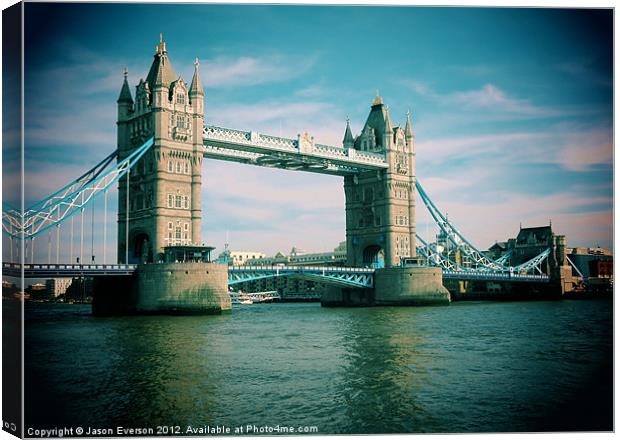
x=169 y=166
x=178 y=169
x=186 y=168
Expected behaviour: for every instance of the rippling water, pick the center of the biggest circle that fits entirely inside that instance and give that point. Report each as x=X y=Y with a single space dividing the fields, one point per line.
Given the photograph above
x=468 y=367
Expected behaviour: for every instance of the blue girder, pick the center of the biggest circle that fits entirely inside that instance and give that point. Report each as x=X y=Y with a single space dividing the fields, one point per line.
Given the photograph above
x=344 y=276
x=71 y=199
x=479 y=260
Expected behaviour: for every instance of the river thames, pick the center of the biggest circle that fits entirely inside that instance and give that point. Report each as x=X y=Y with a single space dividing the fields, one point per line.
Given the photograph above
x=467 y=367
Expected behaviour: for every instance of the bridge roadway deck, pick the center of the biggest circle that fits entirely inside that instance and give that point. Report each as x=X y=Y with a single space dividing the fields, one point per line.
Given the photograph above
x=348 y=275
x=291 y=154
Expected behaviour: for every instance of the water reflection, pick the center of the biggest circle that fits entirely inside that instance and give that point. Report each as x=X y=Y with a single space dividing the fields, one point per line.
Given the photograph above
x=463 y=368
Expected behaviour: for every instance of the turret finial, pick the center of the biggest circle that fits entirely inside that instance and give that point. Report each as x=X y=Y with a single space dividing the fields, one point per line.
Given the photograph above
x=161 y=47
x=378 y=100
x=196 y=63
x=125 y=72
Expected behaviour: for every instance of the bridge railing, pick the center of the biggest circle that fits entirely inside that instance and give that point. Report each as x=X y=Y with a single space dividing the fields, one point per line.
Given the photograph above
x=70 y=266
x=286 y=145
x=304 y=268
x=492 y=276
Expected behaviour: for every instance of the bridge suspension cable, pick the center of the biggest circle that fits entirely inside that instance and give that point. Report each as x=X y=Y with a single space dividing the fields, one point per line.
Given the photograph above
x=73 y=197
x=480 y=262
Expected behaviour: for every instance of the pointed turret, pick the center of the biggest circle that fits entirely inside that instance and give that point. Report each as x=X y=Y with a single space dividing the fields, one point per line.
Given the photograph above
x=388 y=123
x=124 y=101
x=196 y=86
x=408 y=128
x=379 y=121
x=348 y=140
x=161 y=72
x=409 y=132
x=125 y=95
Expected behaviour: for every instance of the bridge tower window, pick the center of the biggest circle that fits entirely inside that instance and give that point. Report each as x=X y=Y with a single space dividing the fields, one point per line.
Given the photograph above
x=178 y=201
x=170 y=166
x=170 y=200
x=180 y=98
x=186 y=168
x=178 y=168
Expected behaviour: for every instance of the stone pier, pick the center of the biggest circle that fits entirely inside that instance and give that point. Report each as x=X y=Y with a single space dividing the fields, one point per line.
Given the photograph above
x=410 y=286
x=167 y=288
x=394 y=286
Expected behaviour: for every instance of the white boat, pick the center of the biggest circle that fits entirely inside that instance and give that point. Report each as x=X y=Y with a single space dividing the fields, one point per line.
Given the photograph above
x=246 y=298
x=240 y=298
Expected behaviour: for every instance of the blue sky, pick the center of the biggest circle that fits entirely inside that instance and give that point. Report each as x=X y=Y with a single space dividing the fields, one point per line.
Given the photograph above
x=512 y=108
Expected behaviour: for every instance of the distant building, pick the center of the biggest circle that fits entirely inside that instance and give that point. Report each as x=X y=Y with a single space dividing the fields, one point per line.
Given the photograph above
x=238 y=258
x=292 y=288
x=299 y=257
x=37 y=291
x=531 y=242
x=592 y=262
x=57 y=286
x=80 y=290
x=497 y=250
x=9 y=289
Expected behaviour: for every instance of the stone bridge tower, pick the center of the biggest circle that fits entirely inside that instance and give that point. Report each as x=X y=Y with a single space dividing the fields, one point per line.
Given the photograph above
x=380 y=205
x=163 y=204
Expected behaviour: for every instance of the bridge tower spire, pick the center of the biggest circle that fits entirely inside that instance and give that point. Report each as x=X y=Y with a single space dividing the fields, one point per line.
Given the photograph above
x=164 y=187
x=380 y=205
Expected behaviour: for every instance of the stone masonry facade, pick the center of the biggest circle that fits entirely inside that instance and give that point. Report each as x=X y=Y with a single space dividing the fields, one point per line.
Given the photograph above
x=380 y=205
x=165 y=185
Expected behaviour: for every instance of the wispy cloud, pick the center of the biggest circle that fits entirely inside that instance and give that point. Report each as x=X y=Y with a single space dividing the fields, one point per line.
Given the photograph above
x=251 y=71
x=285 y=117
x=499 y=219
x=488 y=97
x=573 y=147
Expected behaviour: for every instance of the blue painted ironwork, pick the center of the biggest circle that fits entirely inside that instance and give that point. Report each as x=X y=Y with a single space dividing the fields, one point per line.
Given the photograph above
x=293 y=154
x=343 y=276
x=71 y=199
x=480 y=262
x=494 y=276
x=504 y=258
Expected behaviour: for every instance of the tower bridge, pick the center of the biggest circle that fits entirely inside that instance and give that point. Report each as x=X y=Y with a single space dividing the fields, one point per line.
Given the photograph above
x=162 y=140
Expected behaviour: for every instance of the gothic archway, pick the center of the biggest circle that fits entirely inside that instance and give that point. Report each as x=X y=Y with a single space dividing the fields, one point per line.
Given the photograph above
x=141 y=252
x=374 y=256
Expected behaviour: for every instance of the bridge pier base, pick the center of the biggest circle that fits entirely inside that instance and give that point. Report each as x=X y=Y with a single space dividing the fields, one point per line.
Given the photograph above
x=410 y=286
x=169 y=288
x=395 y=286
x=347 y=297
x=182 y=288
